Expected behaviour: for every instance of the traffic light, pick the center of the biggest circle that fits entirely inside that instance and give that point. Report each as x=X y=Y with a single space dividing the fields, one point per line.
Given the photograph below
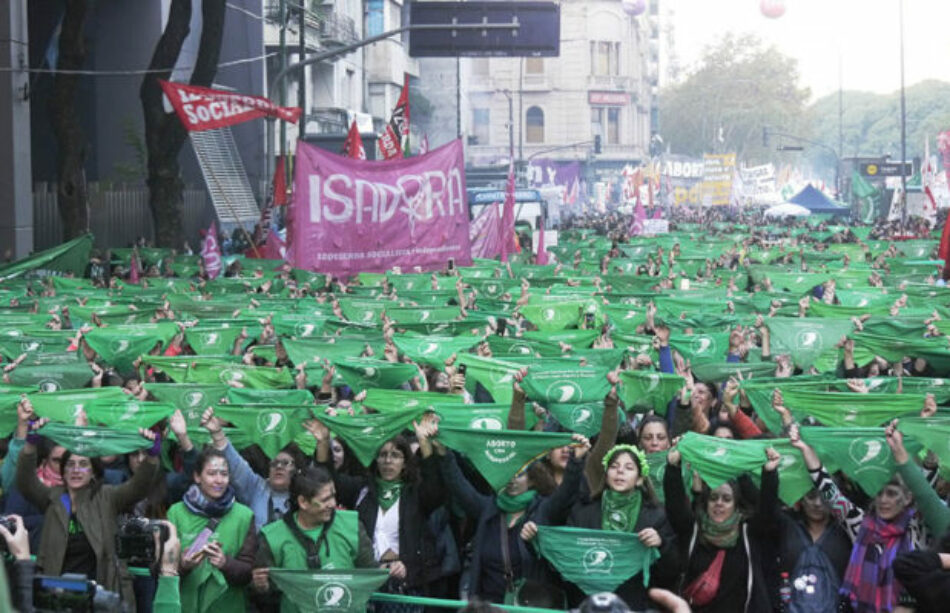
x=597 y=143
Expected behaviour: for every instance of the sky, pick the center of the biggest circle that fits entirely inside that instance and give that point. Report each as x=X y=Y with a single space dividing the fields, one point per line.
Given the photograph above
x=866 y=33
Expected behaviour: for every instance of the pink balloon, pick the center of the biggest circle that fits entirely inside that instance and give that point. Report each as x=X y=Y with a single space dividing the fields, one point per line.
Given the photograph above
x=773 y=9
x=634 y=7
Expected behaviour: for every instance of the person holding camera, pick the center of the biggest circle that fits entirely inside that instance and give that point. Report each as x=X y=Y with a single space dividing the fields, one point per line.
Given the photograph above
x=219 y=538
x=80 y=517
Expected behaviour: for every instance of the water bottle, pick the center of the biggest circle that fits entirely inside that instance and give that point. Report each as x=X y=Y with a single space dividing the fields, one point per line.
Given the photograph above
x=785 y=592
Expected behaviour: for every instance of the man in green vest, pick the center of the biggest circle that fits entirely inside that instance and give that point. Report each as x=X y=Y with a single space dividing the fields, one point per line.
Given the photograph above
x=315 y=535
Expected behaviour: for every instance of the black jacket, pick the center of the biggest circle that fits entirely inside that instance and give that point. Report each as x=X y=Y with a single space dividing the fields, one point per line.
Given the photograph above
x=417 y=501
x=484 y=510
x=743 y=585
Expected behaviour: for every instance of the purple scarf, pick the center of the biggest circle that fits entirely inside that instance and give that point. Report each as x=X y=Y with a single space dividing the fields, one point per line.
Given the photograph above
x=869 y=582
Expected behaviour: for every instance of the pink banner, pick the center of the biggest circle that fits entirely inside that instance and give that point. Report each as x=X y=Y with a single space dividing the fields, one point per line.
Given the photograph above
x=352 y=216
x=211 y=252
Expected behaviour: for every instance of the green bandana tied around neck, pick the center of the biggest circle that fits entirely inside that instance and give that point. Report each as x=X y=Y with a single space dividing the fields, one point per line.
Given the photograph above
x=595 y=560
x=332 y=591
x=513 y=504
x=501 y=454
x=619 y=511
x=722 y=535
x=387 y=492
x=365 y=434
x=94 y=442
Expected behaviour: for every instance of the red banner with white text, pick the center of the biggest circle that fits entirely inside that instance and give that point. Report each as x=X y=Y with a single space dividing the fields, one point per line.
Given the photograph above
x=202 y=108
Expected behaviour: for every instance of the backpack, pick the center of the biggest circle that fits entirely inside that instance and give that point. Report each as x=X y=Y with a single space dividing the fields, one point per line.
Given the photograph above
x=814 y=581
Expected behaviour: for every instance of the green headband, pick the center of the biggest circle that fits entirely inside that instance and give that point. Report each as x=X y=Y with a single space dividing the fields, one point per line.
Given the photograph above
x=635 y=452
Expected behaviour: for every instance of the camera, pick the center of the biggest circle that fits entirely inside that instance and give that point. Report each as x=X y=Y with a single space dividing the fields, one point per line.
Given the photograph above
x=135 y=540
x=8 y=523
x=73 y=594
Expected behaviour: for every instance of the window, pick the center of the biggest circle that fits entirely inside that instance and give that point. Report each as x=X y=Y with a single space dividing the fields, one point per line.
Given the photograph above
x=606 y=122
x=480 y=126
x=604 y=58
x=374 y=17
x=534 y=65
x=534 y=125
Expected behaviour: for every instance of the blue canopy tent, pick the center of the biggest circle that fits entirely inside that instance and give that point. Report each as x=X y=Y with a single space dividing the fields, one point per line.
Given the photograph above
x=817 y=202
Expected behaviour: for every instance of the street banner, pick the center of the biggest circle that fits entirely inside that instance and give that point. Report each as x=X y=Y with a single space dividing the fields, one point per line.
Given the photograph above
x=718 y=171
x=352 y=216
x=485 y=233
x=203 y=108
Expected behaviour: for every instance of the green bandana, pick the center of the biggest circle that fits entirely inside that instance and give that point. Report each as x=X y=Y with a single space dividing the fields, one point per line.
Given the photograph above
x=501 y=454
x=645 y=390
x=254 y=377
x=433 y=350
x=595 y=560
x=179 y=368
x=191 y=398
x=72 y=256
x=13 y=343
x=619 y=511
x=495 y=376
x=554 y=315
x=385 y=401
x=565 y=385
x=387 y=492
x=850 y=409
x=65 y=406
x=238 y=395
x=93 y=442
x=330 y=591
x=723 y=535
x=121 y=345
x=52 y=378
x=720 y=372
x=207 y=340
x=483 y=416
x=584 y=418
x=365 y=434
x=701 y=348
x=270 y=426
x=513 y=504
x=809 y=341
x=860 y=453
x=128 y=413
x=365 y=373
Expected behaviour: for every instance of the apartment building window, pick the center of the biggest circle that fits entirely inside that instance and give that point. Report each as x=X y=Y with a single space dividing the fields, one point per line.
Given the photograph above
x=481 y=120
x=604 y=58
x=375 y=17
x=606 y=122
x=534 y=125
x=534 y=65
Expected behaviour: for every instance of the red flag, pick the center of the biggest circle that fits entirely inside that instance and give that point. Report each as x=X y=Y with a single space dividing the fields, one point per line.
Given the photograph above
x=211 y=252
x=391 y=140
x=509 y=242
x=134 y=267
x=541 y=258
x=202 y=108
x=279 y=197
x=353 y=145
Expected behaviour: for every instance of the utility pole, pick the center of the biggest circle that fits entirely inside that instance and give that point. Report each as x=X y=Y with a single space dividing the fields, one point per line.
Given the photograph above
x=302 y=82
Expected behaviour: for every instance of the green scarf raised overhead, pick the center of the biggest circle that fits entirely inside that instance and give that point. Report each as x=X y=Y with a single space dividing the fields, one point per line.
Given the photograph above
x=121 y=345
x=239 y=395
x=330 y=591
x=365 y=434
x=387 y=492
x=482 y=416
x=365 y=373
x=93 y=441
x=645 y=390
x=851 y=409
x=52 y=377
x=810 y=341
x=255 y=377
x=191 y=398
x=127 y=413
x=584 y=418
x=701 y=348
x=566 y=385
x=554 y=315
x=65 y=406
x=270 y=426
x=860 y=453
x=496 y=376
x=217 y=340
x=433 y=351
x=178 y=368
x=385 y=401
x=501 y=454
x=595 y=560
x=620 y=511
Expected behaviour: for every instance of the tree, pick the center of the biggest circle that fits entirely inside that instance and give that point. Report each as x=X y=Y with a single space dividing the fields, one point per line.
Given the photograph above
x=164 y=133
x=739 y=86
x=71 y=193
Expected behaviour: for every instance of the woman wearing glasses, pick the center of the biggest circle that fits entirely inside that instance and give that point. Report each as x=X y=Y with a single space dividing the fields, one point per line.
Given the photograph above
x=79 y=524
x=394 y=505
x=268 y=498
x=218 y=539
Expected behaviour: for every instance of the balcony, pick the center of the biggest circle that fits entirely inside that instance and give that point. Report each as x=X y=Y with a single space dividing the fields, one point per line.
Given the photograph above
x=535 y=82
x=327 y=121
x=337 y=29
x=610 y=82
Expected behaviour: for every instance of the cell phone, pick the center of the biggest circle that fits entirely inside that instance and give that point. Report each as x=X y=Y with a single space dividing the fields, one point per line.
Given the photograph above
x=462 y=369
x=502 y=326
x=451 y=264
x=589 y=317
x=203 y=537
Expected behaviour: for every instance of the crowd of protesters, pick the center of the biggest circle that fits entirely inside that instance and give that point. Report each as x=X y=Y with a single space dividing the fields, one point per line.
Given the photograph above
x=733 y=471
